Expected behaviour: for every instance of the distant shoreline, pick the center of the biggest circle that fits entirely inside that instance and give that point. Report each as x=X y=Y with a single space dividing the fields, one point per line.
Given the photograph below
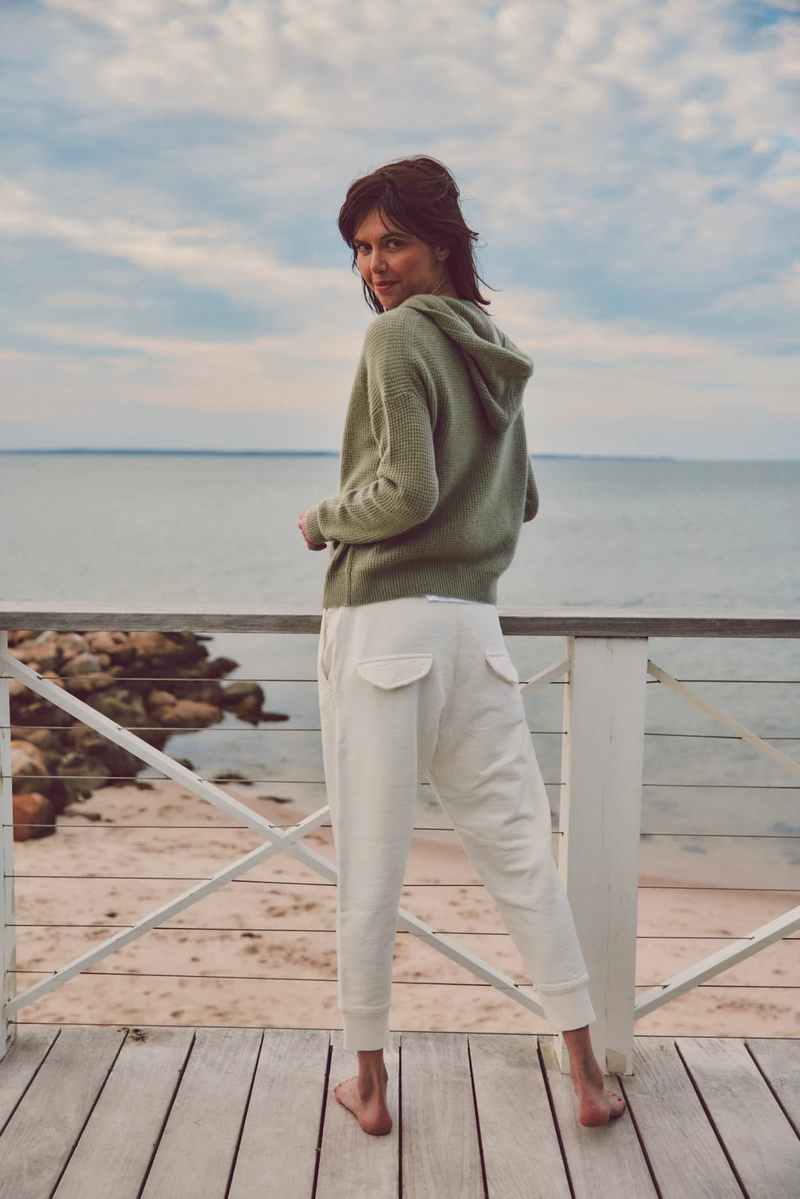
x=132 y=453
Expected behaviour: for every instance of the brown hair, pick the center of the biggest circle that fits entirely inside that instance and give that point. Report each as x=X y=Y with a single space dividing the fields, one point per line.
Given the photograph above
x=419 y=196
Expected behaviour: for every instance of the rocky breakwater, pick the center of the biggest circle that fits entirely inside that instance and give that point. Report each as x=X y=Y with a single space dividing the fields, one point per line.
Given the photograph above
x=152 y=683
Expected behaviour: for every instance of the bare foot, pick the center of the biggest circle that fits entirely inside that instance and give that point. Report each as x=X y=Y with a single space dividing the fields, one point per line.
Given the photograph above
x=597 y=1106
x=365 y=1096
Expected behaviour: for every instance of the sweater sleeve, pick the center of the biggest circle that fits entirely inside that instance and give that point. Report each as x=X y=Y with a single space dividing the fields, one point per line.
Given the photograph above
x=531 y=494
x=405 y=489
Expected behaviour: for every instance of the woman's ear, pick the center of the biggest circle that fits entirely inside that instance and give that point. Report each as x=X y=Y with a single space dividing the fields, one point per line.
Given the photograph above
x=442 y=252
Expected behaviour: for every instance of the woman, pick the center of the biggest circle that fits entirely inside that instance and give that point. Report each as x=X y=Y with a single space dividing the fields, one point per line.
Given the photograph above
x=414 y=676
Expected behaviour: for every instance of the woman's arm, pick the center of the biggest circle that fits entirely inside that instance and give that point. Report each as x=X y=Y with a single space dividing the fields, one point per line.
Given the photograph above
x=405 y=489
x=531 y=495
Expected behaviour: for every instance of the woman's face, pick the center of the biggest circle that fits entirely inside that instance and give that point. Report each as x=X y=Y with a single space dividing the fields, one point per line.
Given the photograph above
x=397 y=265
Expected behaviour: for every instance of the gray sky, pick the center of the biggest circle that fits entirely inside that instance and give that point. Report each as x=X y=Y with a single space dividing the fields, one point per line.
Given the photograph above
x=172 y=275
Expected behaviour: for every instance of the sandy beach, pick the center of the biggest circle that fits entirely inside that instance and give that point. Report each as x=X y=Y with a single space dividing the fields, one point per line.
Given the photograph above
x=260 y=917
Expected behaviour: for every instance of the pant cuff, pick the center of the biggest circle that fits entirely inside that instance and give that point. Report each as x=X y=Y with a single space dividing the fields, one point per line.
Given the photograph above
x=568 y=1009
x=366 y=1030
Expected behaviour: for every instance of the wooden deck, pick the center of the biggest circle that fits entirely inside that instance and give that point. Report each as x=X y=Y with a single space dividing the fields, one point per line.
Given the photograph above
x=159 y=1113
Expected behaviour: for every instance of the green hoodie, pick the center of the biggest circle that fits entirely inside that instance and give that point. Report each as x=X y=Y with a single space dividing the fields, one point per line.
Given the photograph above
x=435 y=476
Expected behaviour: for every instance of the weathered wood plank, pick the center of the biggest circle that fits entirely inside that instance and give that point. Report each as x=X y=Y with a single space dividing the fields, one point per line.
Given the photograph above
x=441 y=1155
x=779 y=1060
x=681 y=1144
x=515 y=621
x=19 y=1066
x=602 y=1161
x=114 y=1152
x=41 y=1134
x=520 y=1146
x=758 y=1138
x=352 y=1162
x=278 y=1151
x=196 y=1152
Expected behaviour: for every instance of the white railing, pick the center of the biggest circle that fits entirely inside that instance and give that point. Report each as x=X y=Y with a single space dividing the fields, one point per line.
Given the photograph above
x=605 y=671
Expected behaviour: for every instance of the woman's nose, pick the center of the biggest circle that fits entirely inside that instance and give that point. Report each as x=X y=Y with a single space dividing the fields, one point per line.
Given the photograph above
x=377 y=263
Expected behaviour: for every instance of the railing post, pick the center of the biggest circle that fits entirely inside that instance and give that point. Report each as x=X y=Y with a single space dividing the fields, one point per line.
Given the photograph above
x=604 y=704
x=8 y=952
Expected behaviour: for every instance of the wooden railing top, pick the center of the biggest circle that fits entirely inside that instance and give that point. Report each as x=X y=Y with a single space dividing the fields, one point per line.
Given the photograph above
x=67 y=616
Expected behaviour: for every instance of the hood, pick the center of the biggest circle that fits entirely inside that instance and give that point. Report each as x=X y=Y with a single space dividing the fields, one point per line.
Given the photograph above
x=499 y=371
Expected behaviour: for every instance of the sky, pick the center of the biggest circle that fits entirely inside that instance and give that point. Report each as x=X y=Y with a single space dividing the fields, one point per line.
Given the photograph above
x=171 y=273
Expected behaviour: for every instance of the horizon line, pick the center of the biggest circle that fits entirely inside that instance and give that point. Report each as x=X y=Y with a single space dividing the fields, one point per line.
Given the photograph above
x=200 y=453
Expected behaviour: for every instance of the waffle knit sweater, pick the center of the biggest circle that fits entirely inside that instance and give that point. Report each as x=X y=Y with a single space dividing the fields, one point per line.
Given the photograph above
x=435 y=475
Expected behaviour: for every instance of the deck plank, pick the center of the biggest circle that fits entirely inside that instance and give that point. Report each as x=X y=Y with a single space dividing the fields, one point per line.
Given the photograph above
x=116 y=1147
x=521 y=1152
x=40 y=1136
x=441 y=1155
x=779 y=1060
x=278 y=1151
x=681 y=1144
x=602 y=1161
x=756 y=1134
x=352 y=1162
x=19 y=1066
x=199 y=1143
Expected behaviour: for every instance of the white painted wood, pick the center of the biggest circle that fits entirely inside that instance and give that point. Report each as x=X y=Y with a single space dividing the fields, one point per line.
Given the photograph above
x=521 y=1153
x=606 y=1162
x=40 y=1136
x=759 y=1140
x=441 y=1155
x=278 y=1150
x=779 y=1061
x=20 y=1065
x=352 y=1162
x=604 y=706
x=525 y=621
x=8 y=952
x=681 y=1145
x=726 y=721
x=114 y=1152
x=196 y=1153
x=548 y=675
x=716 y=963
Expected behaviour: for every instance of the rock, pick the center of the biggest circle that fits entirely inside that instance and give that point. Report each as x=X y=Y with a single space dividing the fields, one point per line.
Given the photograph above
x=245 y=700
x=70 y=645
x=41 y=654
x=33 y=816
x=188 y=714
x=158 y=651
x=86 y=673
x=81 y=774
x=27 y=768
x=205 y=691
x=217 y=668
x=117 y=646
x=123 y=706
x=46 y=740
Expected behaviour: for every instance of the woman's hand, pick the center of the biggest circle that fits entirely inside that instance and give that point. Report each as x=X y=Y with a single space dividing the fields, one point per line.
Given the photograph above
x=301 y=524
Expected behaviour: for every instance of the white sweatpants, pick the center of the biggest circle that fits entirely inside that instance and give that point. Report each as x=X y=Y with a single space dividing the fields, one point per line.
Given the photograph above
x=410 y=688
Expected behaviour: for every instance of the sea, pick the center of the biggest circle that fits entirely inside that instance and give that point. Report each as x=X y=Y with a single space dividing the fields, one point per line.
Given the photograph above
x=163 y=528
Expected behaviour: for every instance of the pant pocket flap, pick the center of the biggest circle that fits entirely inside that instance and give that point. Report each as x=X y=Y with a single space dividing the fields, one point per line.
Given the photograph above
x=502 y=665
x=395 y=671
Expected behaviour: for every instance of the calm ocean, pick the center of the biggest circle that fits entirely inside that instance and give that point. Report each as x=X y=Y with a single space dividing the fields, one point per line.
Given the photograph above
x=206 y=529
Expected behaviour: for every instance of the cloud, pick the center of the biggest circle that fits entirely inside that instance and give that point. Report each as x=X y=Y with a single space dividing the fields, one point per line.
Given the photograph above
x=173 y=170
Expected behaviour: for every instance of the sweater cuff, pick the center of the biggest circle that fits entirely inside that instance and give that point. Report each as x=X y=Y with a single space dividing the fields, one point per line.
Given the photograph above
x=313 y=530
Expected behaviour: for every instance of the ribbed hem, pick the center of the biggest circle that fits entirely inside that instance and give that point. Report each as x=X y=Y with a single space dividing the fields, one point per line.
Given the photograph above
x=373 y=585
x=568 y=1009
x=366 y=1031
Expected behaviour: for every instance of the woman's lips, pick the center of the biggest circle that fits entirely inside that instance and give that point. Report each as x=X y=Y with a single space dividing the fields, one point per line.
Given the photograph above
x=384 y=285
